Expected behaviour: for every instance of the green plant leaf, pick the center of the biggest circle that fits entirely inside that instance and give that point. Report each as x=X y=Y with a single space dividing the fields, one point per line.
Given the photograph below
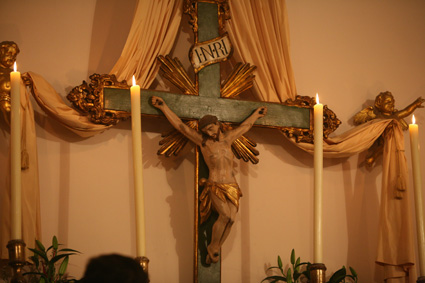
x=306 y=272
x=278 y=278
x=289 y=276
x=338 y=276
x=274 y=267
x=69 y=250
x=34 y=259
x=293 y=257
x=63 y=266
x=51 y=270
x=297 y=264
x=58 y=257
x=55 y=243
x=40 y=253
x=302 y=263
x=353 y=272
x=279 y=262
x=296 y=275
x=40 y=246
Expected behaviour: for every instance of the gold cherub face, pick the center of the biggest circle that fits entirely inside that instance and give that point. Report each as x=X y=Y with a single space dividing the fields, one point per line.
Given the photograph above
x=8 y=53
x=385 y=102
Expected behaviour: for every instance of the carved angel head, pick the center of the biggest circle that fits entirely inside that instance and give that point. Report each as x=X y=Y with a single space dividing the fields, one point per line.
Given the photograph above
x=385 y=102
x=9 y=50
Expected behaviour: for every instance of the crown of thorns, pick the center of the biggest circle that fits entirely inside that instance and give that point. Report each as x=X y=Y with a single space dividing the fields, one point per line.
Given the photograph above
x=206 y=120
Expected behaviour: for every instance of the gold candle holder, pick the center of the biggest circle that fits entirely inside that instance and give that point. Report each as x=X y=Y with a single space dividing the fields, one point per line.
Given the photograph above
x=144 y=263
x=16 y=259
x=317 y=273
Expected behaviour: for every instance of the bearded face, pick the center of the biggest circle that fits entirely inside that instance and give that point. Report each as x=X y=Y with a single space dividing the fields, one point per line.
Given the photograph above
x=212 y=131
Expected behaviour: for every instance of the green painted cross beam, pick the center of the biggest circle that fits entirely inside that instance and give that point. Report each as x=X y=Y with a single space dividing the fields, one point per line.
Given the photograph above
x=196 y=106
x=209 y=49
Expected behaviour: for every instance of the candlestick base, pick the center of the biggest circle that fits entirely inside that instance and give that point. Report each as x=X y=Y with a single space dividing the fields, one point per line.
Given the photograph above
x=317 y=273
x=421 y=279
x=16 y=259
x=144 y=263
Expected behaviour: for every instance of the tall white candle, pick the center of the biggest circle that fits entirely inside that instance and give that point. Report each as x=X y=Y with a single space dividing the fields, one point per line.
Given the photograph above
x=15 y=148
x=318 y=181
x=136 y=126
x=417 y=180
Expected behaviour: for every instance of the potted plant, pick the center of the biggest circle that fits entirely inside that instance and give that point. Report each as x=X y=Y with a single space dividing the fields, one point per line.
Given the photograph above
x=300 y=272
x=50 y=264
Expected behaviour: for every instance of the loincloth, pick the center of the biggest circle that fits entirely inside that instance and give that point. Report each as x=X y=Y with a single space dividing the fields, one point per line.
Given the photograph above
x=226 y=192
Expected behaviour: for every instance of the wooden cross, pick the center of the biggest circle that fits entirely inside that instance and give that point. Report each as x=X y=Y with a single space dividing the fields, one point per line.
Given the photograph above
x=206 y=96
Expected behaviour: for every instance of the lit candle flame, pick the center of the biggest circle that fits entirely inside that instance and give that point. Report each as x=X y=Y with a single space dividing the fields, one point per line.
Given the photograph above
x=14 y=67
x=134 y=81
x=413 y=119
x=317 y=98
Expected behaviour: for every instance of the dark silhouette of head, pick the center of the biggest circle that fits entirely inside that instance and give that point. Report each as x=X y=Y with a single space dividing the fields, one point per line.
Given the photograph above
x=114 y=268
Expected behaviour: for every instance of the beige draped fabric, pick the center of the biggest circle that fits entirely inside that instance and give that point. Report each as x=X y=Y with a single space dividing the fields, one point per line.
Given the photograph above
x=260 y=34
x=153 y=32
x=52 y=103
x=351 y=142
x=396 y=239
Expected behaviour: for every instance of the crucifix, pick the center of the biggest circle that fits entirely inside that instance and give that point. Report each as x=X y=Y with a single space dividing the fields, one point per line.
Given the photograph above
x=108 y=101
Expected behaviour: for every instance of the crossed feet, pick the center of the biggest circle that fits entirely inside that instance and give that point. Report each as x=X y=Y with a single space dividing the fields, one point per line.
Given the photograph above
x=212 y=256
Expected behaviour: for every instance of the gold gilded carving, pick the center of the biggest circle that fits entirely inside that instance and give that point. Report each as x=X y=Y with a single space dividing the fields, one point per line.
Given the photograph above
x=384 y=108
x=190 y=8
x=88 y=98
x=243 y=148
x=239 y=80
x=330 y=121
x=174 y=72
x=173 y=141
x=9 y=50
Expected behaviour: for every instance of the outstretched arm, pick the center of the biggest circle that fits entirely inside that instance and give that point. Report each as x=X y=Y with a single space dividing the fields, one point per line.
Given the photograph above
x=409 y=109
x=177 y=123
x=246 y=125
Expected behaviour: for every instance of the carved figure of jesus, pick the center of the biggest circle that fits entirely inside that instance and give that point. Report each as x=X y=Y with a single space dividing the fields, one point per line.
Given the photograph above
x=221 y=192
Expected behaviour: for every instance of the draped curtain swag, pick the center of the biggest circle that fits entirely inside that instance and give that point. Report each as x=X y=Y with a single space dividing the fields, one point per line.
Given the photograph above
x=152 y=33
x=260 y=34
